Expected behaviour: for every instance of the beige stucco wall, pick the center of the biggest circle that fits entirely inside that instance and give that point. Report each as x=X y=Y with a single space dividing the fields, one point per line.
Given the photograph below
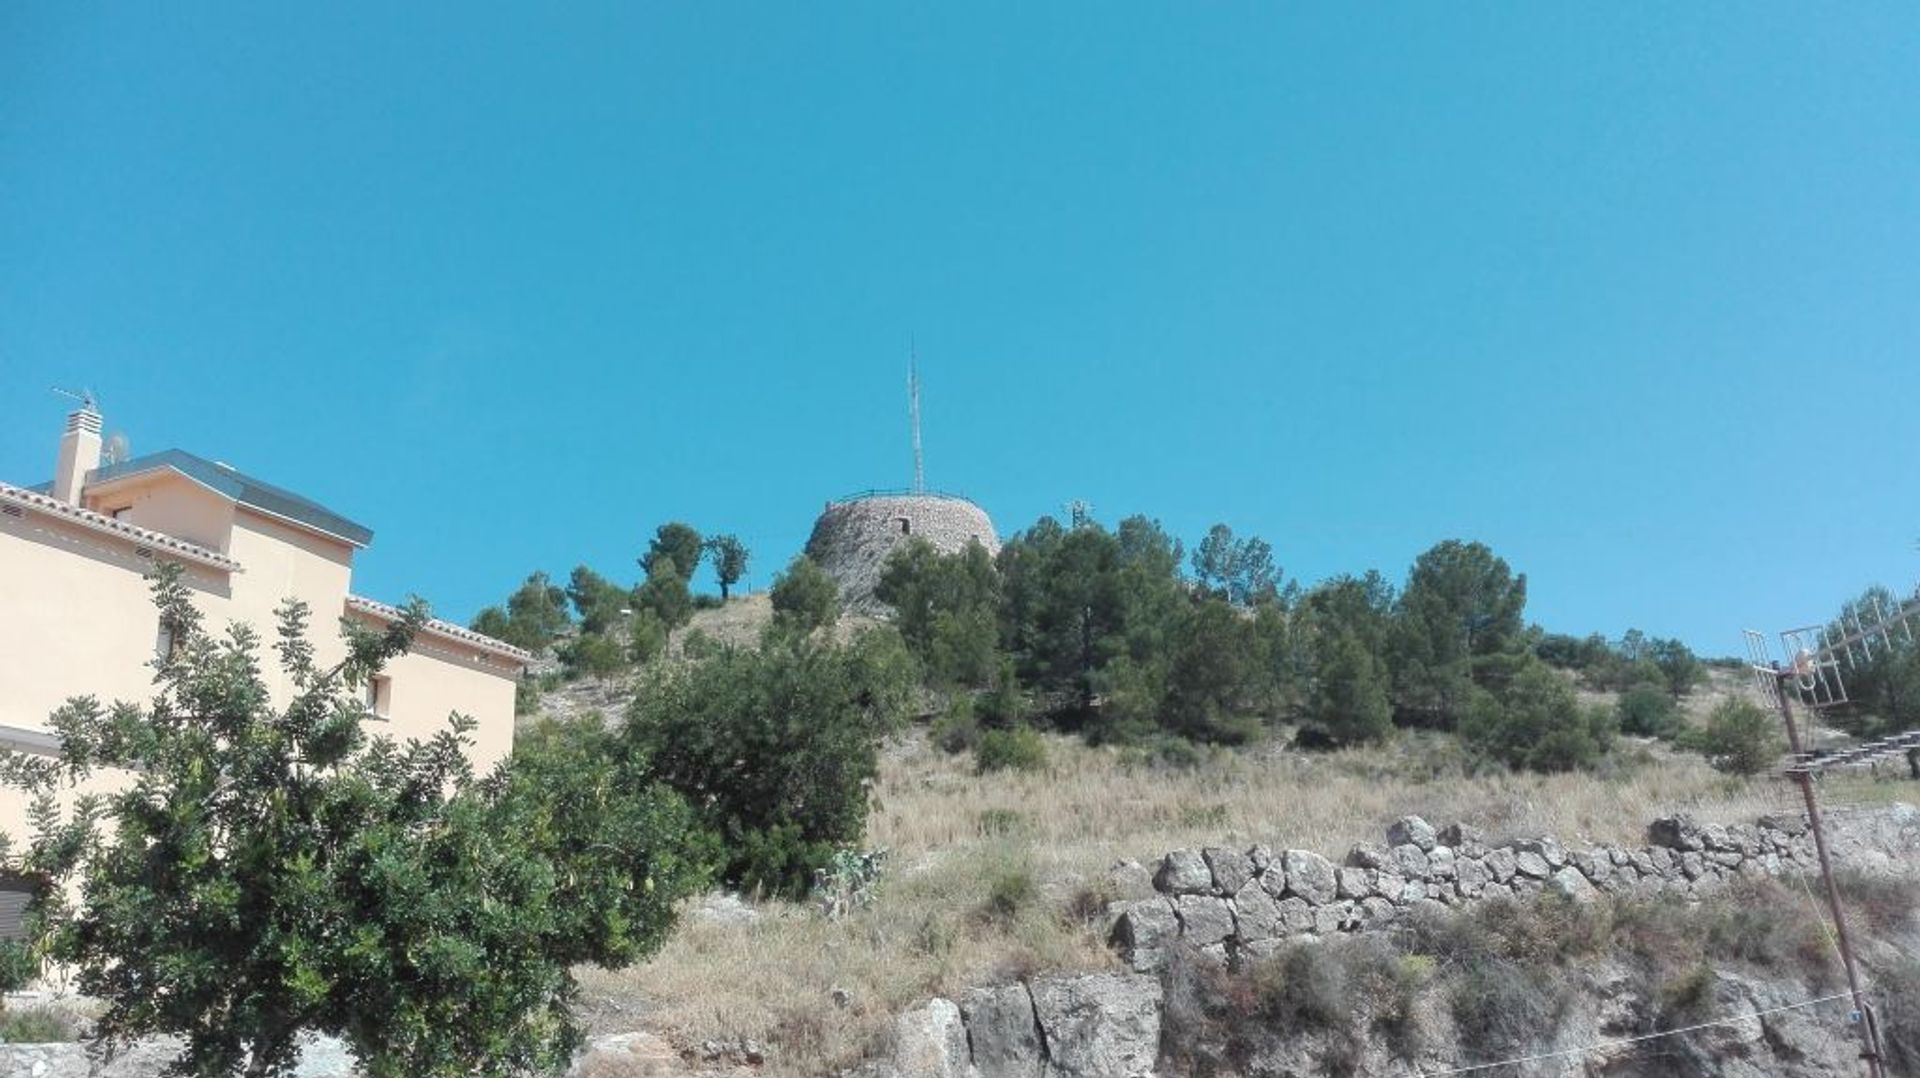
x=167 y=502
x=440 y=677
x=77 y=617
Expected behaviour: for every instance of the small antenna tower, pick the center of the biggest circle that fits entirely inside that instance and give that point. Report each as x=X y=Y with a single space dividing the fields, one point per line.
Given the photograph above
x=913 y=416
x=87 y=400
x=1816 y=655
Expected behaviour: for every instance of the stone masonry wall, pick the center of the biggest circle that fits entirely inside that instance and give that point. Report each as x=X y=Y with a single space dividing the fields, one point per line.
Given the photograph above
x=1243 y=904
x=851 y=539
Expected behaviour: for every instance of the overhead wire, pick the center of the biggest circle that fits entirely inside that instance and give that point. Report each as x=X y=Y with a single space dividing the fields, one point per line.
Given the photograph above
x=1628 y=1041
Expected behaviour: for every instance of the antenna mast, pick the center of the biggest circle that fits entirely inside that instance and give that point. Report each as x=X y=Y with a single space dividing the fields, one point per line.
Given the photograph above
x=913 y=415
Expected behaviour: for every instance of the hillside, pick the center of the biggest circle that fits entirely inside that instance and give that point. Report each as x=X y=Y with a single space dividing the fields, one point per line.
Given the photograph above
x=1004 y=876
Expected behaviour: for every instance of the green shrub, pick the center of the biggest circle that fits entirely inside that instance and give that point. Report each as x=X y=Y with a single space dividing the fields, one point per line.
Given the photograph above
x=805 y=598
x=526 y=697
x=1741 y=737
x=1648 y=711
x=958 y=729
x=776 y=748
x=1010 y=891
x=1499 y=1006
x=1303 y=988
x=1019 y=749
x=1537 y=723
x=1001 y=822
x=38 y=1025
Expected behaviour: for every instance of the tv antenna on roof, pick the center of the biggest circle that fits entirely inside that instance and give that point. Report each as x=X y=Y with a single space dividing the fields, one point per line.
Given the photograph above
x=913 y=417
x=1816 y=654
x=85 y=396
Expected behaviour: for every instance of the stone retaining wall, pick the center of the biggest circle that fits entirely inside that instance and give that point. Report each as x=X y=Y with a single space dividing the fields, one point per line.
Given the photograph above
x=1239 y=904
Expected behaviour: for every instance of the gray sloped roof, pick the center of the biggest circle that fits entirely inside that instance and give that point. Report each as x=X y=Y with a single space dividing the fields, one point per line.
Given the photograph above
x=241 y=488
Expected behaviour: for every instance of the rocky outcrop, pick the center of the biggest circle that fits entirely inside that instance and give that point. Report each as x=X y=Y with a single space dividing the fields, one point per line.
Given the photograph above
x=1234 y=905
x=1095 y=1025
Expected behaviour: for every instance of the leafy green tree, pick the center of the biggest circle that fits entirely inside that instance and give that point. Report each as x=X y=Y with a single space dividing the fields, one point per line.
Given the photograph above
x=593 y=655
x=805 y=597
x=1741 y=737
x=271 y=871
x=535 y=616
x=538 y=612
x=1074 y=608
x=664 y=594
x=1240 y=570
x=946 y=608
x=728 y=555
x=776 y=746
x=1883 y=685
x=1349 y=704
x=1537 y=723
x=1461 y=603
x=1209 y=684
x=597 y=600
x=646 y=637
x=1679 y=667
x=676 y=544
x=1647 y=710
x=493 y=621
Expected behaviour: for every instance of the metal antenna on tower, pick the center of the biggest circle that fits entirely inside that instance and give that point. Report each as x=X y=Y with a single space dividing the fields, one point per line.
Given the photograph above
x=913 y=415
x=87 y=400
x=1816 y=655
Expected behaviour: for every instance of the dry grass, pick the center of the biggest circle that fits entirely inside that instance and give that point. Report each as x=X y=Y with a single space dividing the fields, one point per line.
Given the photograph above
x=953 y=834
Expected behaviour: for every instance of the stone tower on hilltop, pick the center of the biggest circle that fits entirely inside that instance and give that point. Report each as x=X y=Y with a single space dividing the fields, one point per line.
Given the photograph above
x=854 y=535
x=852 y=538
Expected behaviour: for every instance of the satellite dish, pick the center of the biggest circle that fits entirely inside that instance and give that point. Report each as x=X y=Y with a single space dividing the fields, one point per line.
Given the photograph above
x=117 y=450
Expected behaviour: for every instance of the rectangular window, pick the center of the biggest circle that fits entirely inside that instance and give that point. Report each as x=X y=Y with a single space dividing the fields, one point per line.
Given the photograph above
x=378 y=696
x=163 y=644
x=15 y=891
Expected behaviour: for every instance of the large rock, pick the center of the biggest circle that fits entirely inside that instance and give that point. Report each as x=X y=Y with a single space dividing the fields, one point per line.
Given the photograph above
x=930 y=1041
x=1466 y=840
x=1501 y=864
x=1310 y=876
x=1144 y=931
x=1675 y=833
x=1204 y=919
x=1231 y=869
x=1414 y=830
x=1256 y=914
x=1409 y=861
x=1184 y=872
x=1571 y=883
x=1003 y=1032
x=1099 y=1025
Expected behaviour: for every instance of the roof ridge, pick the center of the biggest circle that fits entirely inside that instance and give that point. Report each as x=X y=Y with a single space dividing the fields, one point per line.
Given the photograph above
x=439 y=627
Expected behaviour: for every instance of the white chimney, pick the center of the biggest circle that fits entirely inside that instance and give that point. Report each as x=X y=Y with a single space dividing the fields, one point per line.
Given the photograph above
x=79 y=454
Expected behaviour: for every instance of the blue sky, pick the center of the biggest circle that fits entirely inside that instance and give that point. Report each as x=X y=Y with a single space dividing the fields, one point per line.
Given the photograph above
x=1627 y=292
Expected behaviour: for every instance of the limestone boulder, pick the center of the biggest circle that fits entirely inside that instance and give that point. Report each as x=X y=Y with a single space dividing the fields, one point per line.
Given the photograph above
x=1099 y=1025
x=1003 y=1032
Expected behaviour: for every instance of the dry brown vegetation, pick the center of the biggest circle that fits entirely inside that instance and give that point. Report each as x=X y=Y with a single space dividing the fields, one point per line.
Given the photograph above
x=995 y=876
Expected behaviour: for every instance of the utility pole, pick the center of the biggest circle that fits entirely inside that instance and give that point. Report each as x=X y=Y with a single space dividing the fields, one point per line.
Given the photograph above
x=1802 y=774
x=1816 y=654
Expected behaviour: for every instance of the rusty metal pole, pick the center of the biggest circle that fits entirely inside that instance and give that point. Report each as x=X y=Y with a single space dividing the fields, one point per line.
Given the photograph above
x=1869 y=1030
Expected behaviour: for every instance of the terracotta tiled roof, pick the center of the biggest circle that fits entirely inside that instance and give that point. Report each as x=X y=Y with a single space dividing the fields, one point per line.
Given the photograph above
x=440 y=628
x=100 y=522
